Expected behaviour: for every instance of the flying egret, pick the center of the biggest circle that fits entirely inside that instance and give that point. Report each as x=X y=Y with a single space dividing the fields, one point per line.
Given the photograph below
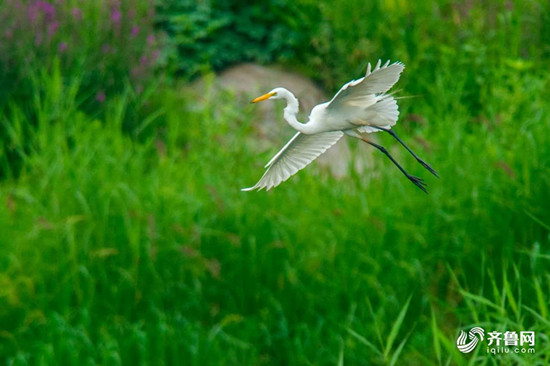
x=360 y=107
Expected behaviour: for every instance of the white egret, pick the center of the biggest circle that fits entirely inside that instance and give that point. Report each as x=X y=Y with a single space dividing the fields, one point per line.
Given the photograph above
x=360 y=107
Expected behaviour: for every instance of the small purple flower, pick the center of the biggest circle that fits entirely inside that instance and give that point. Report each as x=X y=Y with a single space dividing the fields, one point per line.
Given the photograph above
x=135 y=31
x=151 y=39
x=156 y=54
x=52 y=28
x=77 y=13
x=48 y=9
x=116 y=15
x=41 y=7
x=100 y=96
x=62 y=47
x=143 y=60
x=32 y=13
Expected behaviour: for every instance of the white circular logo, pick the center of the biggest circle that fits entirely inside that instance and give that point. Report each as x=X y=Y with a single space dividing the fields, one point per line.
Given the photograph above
x=474 y=340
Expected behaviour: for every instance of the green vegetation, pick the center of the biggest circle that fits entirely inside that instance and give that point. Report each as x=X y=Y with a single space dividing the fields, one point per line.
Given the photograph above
x=124 y=237
x=218 y=33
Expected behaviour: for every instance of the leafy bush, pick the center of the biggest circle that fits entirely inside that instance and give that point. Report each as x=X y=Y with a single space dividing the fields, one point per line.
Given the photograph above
x=215 y=34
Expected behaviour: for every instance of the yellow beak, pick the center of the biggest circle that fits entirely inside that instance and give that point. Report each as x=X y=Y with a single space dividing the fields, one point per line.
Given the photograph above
x=263 y=97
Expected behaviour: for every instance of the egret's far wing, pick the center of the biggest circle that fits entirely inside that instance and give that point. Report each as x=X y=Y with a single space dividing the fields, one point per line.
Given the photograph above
x=361 y=92
x=295 y=155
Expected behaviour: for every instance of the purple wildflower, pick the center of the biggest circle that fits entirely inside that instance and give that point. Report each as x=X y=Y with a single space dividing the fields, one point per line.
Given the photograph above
x=77 y=13
x=43 y=7
x=47 y=8
x=151 y=39
x=52 y=28
x=62 y=47
x=135 y=31
x=116 y=15
x=32 y=12
x=156 y=54
x=100 y=96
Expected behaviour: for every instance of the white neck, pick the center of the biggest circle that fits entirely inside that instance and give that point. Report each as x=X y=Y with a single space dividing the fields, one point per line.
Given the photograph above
x=291 y=110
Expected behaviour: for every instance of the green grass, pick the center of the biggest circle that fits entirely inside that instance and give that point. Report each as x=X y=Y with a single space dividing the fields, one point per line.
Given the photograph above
x=116 y=250
x=140 y=249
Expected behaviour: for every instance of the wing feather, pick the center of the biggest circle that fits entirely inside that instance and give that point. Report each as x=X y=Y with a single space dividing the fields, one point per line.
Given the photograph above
x=295 y=155
x=380 y=80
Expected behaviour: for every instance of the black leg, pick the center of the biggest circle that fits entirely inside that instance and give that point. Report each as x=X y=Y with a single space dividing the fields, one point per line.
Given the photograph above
x=424 y=164
x=417 y=181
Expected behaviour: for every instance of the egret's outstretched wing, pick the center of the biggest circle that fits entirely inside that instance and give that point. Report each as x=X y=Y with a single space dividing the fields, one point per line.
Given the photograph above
x=295 y=155
x=362 y=92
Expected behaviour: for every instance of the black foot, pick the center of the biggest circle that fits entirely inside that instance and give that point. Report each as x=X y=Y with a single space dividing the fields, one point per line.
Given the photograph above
x=428 y=167
x=418 y=182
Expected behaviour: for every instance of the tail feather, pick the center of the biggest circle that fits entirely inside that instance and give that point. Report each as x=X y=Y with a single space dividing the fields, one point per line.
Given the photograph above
x=383 y=113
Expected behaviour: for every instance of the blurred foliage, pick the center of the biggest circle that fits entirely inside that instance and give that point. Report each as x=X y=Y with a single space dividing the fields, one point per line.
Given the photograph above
x=104 y=44
x=430 y=35
x=217 y=33
x=107 y=47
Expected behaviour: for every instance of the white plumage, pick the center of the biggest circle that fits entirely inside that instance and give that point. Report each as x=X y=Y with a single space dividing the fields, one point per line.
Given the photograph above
x=301 y=150
x=361 y=106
